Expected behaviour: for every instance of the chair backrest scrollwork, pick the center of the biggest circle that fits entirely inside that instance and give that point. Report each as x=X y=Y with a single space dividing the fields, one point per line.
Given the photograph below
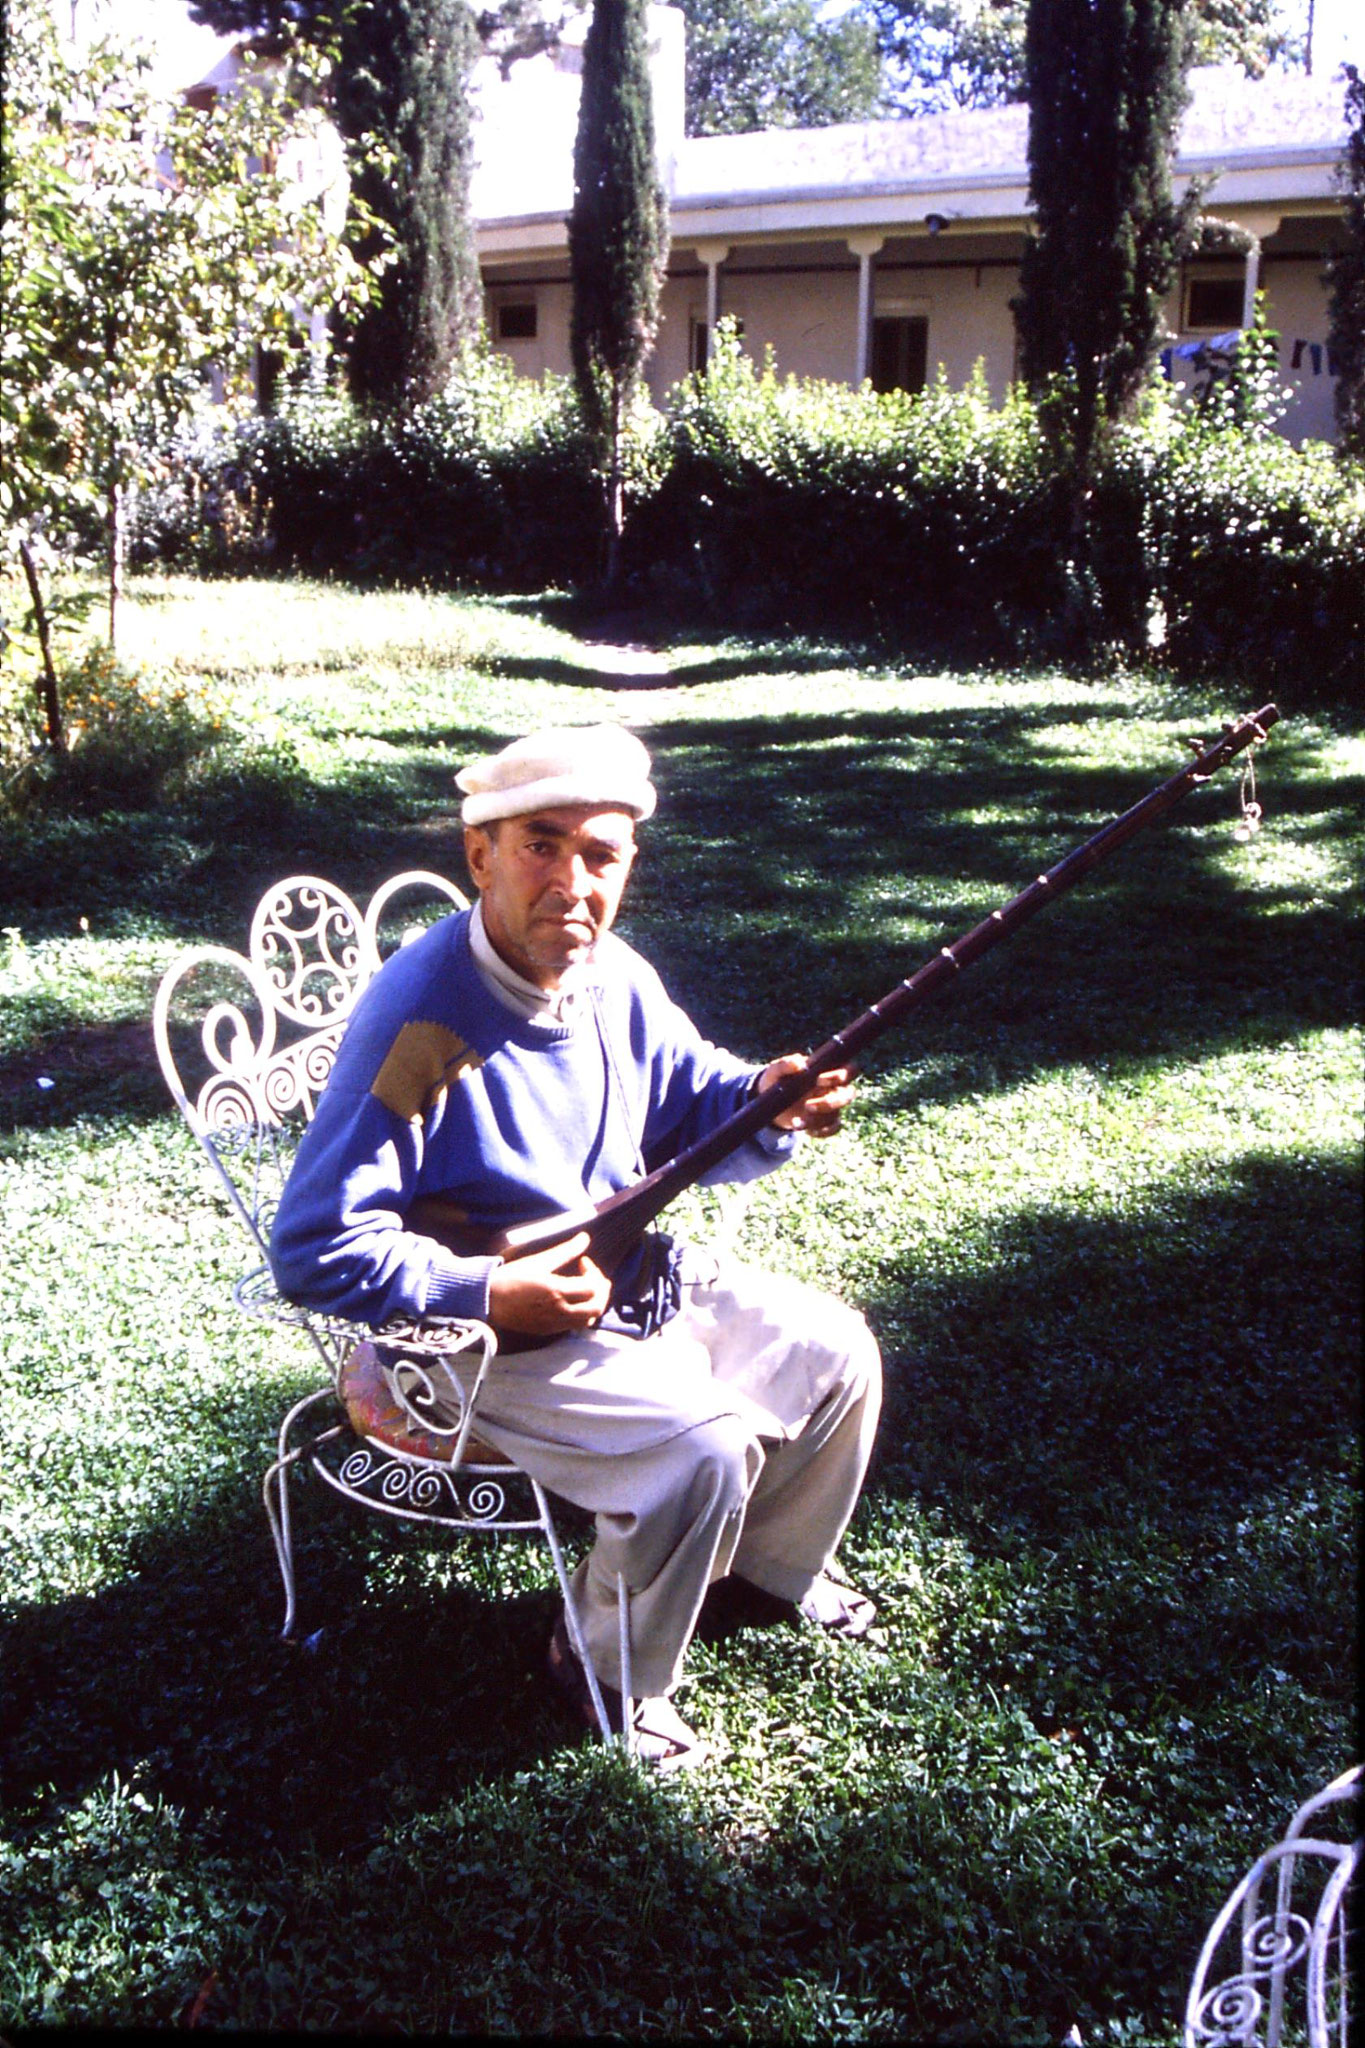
x=246 y=1041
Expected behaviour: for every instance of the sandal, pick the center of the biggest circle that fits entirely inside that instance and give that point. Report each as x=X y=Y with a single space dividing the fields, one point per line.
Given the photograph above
x=842 y=1610
x=658 y=1734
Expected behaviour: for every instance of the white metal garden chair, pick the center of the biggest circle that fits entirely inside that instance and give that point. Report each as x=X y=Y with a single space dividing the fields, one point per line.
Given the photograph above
x=1307 y=1925
x=246 y=1043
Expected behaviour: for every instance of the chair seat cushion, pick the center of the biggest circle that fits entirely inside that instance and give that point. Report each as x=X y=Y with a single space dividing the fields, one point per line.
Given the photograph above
x=373 y=1411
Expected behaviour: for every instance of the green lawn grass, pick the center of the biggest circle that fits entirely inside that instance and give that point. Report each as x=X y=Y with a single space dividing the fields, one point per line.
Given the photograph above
x=1102 y=1207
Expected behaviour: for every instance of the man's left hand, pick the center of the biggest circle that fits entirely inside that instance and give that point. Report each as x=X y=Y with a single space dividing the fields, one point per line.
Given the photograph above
x=820 y=1112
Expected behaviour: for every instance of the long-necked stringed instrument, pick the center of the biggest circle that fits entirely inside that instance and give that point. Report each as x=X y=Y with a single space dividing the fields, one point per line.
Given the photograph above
x=616 y=1224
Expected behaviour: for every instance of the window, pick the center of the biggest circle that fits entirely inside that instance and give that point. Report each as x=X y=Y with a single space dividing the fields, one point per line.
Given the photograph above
x=517 y=321
x=1214 y=303
x=900 y=353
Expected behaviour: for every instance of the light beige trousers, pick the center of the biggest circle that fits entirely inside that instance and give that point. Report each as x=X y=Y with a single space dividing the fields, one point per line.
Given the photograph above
x=734 y=1440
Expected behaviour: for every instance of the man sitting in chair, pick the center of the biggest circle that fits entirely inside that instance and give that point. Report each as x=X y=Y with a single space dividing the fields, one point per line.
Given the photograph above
x=519 y=1060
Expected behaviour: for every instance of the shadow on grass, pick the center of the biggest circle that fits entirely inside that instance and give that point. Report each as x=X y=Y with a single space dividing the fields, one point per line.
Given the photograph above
x=1136 y=1426
x=784 y=935
x=798 y=866
x=1079 y=1389
x=195 y=867
x=176 y=1674
x=1066 y=1375
x=1099 y=1411
x=76 y=1071
x=680 y=675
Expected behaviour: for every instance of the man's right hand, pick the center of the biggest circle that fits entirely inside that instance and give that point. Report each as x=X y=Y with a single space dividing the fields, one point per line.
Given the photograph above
x=547 y=1293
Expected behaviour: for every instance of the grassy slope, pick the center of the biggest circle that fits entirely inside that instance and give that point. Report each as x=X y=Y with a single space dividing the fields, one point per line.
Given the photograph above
x=1102 y=1208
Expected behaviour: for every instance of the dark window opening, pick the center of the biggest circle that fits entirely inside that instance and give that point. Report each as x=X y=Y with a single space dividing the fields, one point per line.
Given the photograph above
x=1213 y=302
x=900 y=353
x=517 y=323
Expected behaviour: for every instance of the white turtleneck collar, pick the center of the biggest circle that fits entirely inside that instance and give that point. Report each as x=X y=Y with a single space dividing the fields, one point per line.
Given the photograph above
x=527 y=999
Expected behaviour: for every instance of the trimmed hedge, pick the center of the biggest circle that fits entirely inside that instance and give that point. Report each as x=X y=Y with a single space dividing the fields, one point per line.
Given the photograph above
x=931 y=513
x=1212 y=544
x=490 y=483
x=1260 y=554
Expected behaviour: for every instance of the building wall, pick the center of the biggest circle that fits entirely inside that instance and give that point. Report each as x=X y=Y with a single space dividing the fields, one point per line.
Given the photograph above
x=964 y=289
x=802 y=303
x=548 y=291
x=1296 y=307
x=1295 y=303
x=801 y=300
x=682 y=300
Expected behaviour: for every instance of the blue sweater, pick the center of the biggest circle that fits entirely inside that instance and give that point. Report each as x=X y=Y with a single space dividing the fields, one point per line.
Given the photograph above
x=441 y=1092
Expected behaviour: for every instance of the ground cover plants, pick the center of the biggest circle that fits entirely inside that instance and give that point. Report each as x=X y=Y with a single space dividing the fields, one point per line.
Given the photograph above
x=1102 y=1208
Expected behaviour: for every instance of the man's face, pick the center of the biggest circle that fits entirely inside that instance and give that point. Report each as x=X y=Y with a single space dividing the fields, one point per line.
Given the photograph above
x=551 y=884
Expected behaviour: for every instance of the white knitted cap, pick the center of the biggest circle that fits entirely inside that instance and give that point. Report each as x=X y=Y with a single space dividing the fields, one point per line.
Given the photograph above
x=572 y=764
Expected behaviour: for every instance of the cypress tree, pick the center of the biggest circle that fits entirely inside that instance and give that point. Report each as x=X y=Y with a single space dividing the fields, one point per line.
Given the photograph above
x=1346 y=328
x=399 y=97
x=1106 y=88
x=618 y=237
x=403 y=78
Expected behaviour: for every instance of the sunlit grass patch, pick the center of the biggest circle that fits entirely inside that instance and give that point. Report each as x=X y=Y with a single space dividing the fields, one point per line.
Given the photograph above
x=301 y=627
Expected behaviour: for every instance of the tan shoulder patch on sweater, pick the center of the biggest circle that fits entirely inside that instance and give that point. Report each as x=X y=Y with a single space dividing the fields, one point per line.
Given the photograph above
x=419 y=1066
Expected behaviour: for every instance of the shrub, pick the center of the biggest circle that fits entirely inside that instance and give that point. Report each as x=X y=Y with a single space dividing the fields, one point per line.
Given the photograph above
x=135 y=739
x=801 y=495
x=490 y=482
x=198 y=505
x=126 y=734
x=1211 y=541
x=1262 y=557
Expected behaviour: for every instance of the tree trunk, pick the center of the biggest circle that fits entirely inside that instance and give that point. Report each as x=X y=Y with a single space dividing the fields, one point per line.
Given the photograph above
x=116 y=520
x=616 y=500
x=48 y=695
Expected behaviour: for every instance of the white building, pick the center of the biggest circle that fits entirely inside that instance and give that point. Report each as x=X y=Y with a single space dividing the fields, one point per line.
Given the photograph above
x=891 y=249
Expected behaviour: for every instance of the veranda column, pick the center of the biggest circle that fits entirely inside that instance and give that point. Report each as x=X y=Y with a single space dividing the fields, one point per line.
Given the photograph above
x=712 y=255
x=864 y=247
x=1258 y=226
x=1252 y=283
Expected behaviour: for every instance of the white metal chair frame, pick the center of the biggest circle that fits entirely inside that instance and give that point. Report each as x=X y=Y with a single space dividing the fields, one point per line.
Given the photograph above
x=1253 y=1997
x=311 y=953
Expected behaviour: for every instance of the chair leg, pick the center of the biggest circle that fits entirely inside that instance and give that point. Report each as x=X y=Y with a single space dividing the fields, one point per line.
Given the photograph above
x=279 y=1529
x=575 y=1626
x=278 y=1515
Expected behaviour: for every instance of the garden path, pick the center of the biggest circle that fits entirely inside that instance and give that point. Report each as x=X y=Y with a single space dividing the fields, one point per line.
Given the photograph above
x=628 y=664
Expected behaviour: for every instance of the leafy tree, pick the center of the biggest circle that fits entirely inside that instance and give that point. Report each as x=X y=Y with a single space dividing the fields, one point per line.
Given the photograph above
x=144 y=246
x=777 y=64
x=399 y=94
x=970 y=53
x=618 y=238
x=1347 y=305
x=1106 y=87
x=1252 y=33
x=952 y=53
x=511 y=27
